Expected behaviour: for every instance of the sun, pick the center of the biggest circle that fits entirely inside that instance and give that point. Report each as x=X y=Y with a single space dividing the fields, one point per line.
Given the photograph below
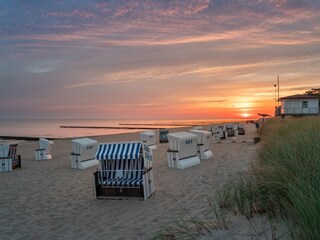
x=245 y=115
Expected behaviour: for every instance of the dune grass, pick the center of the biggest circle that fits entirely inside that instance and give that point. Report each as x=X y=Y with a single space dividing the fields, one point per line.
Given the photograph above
x=190 y=229
x=285 y=182
x=289 y=171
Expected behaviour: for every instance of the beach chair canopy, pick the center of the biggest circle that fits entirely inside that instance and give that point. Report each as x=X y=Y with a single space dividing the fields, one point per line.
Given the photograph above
x=8 y=151
x=114 y=151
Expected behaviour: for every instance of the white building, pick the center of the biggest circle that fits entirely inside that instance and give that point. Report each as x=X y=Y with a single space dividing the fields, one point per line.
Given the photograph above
x=300 y=105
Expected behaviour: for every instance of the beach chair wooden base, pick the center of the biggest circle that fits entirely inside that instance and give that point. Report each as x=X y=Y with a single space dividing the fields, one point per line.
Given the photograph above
x=120 y=193
x=115 y=192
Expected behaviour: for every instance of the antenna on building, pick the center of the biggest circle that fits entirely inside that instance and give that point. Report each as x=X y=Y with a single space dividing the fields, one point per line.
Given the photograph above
x=278 y=90
x=275 y=95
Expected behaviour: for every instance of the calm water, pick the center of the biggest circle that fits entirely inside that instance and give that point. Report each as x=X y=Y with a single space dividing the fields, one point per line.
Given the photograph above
x=51 y=128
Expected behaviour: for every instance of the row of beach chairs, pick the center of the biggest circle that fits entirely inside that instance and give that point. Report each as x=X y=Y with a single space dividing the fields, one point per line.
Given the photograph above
x=228 y=130
x=125 y=168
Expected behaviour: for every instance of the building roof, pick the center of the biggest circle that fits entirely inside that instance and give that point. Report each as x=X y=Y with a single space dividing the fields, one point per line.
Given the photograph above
x=301 y=96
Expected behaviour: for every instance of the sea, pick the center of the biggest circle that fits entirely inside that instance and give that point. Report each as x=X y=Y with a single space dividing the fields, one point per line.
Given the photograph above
x=72 y=128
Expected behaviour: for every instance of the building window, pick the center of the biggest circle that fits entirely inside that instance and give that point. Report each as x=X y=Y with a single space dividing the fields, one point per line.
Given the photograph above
x=304 y=104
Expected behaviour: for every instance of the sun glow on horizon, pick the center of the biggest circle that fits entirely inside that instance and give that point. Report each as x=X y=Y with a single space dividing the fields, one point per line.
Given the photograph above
x=245 y=115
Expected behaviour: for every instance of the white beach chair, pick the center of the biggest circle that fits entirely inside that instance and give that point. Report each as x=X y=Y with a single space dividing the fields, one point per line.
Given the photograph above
x=216 y=133
x=182 y=152
x=163 y=138
x=148 y=137
x=222 y=131
x=241 y=130
x=211 y=128
x=230 y=130
x=125 y=171
x=9 y=159
x=203 y=145
x=84 y=153
x=44 y=150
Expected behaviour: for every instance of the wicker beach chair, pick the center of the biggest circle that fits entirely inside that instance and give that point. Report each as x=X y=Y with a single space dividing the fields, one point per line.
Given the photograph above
x=203 y=144
x=182 y=151
x=125 y=171
x=9 y=159
x=44 y=150
x=148 y=137
x=5 y=161
x=230 y=130
x=163 y=138
x=241 y=130
x=84 y=153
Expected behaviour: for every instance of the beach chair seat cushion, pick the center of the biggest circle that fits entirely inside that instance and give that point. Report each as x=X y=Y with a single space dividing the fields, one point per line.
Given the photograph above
x=128 y=178
x=123 y=182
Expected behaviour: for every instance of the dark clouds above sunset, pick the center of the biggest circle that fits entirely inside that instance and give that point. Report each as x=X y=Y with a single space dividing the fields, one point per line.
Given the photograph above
x=154 y=59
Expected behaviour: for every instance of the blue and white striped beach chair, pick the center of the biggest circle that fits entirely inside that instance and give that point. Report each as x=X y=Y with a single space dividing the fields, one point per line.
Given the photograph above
x=125 y=170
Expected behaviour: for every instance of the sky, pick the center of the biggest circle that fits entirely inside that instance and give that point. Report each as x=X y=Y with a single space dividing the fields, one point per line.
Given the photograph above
x=155 y=59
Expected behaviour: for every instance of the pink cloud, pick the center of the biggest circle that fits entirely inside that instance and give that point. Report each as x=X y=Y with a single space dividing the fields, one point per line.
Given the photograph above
x=75 y=13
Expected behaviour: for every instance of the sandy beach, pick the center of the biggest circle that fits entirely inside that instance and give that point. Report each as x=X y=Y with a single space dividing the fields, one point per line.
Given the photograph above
x=49 y=200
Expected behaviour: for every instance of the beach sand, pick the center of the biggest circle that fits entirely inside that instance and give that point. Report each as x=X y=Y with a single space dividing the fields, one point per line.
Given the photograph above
x=49 y=200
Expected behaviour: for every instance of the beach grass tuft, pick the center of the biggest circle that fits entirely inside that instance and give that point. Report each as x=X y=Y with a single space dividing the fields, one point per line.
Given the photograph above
x=192 y=228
